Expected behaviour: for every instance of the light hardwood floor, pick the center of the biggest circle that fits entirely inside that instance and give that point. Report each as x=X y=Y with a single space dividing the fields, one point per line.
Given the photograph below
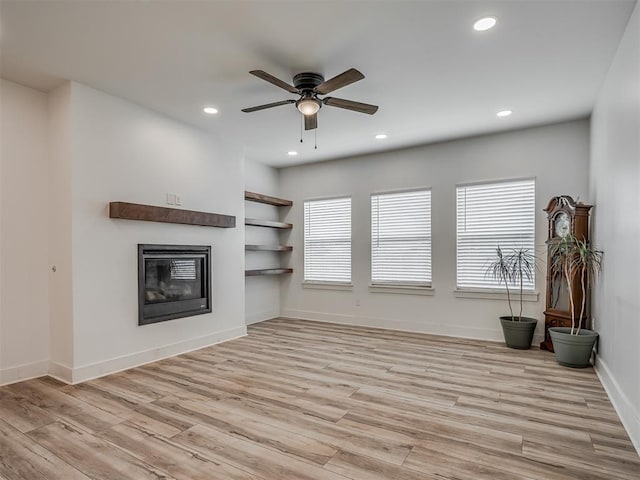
x=312 y=401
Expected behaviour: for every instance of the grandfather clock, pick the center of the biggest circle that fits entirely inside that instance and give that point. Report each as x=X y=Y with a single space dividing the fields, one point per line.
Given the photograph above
x=565 y=217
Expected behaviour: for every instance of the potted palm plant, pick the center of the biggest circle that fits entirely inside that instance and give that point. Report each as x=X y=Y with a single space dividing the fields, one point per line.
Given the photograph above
x=512 y=269
x=573 y=258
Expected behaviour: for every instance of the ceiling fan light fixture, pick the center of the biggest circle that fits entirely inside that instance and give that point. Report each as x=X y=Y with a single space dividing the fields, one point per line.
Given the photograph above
x=308 y=105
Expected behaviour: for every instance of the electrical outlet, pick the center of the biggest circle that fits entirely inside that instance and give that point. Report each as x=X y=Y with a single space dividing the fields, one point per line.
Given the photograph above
x=358 y=302
x=178 y=199
x=171 y=198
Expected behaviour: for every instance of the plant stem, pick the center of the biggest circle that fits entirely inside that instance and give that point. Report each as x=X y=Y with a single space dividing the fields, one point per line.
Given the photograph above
x=506 y=284
x=573 y=313
x=520 y=267
x=584 y=299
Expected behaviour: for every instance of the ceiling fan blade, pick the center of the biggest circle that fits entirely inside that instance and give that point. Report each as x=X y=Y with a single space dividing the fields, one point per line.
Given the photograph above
x=351 y=105
x=273 y=80
x=311 y=121
x=267 y=105
x=346 y=78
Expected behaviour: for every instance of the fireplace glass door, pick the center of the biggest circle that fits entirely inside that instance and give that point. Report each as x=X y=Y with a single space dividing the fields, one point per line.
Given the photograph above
x=174 y=281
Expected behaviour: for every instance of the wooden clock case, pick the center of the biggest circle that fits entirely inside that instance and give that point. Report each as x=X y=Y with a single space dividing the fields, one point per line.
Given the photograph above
x=557 y=310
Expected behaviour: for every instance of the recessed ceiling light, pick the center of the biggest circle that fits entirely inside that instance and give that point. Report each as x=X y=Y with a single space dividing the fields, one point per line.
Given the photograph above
x=210 y=110
x=504 y=113
x=381 y=136
x=484 y=24
x=293 y=153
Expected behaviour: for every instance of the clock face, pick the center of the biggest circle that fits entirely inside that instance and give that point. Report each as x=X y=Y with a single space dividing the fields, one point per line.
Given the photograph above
x=562 y=225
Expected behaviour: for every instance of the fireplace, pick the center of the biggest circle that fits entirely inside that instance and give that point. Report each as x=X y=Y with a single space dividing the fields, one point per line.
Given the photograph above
x=174 y=281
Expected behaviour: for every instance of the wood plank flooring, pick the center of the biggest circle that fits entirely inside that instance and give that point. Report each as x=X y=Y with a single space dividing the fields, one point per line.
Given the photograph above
x=312 y=401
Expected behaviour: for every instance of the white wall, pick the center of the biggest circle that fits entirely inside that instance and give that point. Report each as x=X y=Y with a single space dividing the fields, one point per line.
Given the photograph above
x=59 y=224
x=122 y=152
x=557 y=155
x=262 y=293
x=65 y=156
x=615 y=190
x=24 y=310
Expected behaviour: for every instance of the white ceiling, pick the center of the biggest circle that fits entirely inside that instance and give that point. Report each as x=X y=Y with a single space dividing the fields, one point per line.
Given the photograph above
x=433 y=77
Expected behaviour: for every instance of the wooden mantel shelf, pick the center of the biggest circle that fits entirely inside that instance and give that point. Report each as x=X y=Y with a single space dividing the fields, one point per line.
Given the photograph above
x=149 y=213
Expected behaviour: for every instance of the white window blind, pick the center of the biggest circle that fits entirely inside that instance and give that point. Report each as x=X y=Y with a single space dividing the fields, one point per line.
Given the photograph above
x=327 y=240
x=491 y=215
x=183 y=269
x=401 y=238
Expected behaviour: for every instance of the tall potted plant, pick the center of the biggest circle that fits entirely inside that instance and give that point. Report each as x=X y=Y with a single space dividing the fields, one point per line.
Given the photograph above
x=511 y=269
x=573 y=258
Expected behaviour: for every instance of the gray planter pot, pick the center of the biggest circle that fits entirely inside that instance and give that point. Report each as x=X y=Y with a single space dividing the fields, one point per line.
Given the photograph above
x=518 y=334
x=573 y=350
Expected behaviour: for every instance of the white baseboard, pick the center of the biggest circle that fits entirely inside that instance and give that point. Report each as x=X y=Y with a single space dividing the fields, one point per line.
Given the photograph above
x=107 y=367
x=629 y=416
x=252 y=318
x=99 y=369
x=60 y=372
x=489 y=334
x=23 y=372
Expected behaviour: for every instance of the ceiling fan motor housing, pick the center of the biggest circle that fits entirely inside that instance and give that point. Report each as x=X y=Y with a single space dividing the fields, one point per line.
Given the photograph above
x=307 y=81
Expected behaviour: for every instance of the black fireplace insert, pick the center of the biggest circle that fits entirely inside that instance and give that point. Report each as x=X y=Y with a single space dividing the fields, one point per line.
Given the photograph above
x=174 y=281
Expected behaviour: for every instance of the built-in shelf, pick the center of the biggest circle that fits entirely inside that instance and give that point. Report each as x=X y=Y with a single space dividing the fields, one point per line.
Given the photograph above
x=269 y=248
x=276 y=202
x=258 y=197
x=267 y=223
x=267 y=271
x=150 y=213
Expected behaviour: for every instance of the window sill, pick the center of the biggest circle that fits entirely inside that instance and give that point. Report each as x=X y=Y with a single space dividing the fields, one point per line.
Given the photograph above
x=495 y=295
x=328 y=285
x=402 y=289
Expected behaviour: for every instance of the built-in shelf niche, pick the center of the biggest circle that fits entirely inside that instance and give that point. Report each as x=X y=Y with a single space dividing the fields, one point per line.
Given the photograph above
x=277 y=202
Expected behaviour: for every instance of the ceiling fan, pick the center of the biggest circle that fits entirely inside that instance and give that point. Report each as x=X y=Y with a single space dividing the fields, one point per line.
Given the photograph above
x=309 y=85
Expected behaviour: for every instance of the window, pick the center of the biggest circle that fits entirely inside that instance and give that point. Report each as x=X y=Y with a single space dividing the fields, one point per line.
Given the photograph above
x=327 y=240
x=401 y=238
x=491 y=215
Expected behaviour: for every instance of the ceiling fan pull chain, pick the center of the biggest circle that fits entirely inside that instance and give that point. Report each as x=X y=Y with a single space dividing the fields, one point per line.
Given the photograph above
x=315 y=134
x=301 y=123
